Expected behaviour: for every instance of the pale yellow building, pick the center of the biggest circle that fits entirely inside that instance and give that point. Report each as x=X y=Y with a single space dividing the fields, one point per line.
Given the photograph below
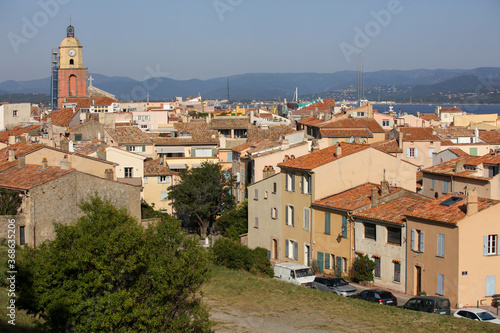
x=157 y=179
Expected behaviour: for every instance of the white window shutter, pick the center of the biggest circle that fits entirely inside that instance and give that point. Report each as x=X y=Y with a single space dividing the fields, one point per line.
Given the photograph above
x=416 y=152
x=485 y=245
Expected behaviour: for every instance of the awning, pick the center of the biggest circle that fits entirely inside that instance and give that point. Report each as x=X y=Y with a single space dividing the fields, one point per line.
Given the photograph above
x=165 y=150
x=177 y=166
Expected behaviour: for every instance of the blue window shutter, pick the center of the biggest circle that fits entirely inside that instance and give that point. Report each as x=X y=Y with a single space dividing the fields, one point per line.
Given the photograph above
x=416 y=152
x=327 y=261
x=440 y=284
x=421 y=241
x=485 y=245
x=445 y=186
x=413 y=239
x=229 y=157
x=158 y=180
x=193 y=150
x=145 y=180
x=327 y=223
x=344 y=226
x=431 y=151
x=163 y=195
x=310 y=185
x=432 y=184
x=408 y=152
x=490 y=286
x=440 y=245
x=320 y=262
x=296 y=250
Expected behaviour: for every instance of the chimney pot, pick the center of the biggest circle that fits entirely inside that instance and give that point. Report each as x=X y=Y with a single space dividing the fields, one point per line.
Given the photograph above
x=44 y=163
x=21 y=161
x=12 y=156
x=472 y=203
x=338 y=150
x=384 y=187
x=374 y=197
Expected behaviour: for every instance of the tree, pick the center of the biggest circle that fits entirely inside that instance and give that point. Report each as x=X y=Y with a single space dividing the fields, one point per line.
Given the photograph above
x=362 y=268
x=202 y=195
x=106 y=273
x=10 y=201
x=234 y=222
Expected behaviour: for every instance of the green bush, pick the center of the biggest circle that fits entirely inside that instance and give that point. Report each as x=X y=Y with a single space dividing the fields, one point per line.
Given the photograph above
x=233 y=255
x=362 y=269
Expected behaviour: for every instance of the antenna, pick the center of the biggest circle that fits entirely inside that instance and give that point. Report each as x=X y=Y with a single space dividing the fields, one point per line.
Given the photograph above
x=228 y=90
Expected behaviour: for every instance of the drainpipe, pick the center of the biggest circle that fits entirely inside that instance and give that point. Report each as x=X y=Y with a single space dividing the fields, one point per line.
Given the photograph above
x=311 y=221
x=406 y=257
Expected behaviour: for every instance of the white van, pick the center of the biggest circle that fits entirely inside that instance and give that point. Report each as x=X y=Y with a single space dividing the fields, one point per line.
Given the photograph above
x=301 y=275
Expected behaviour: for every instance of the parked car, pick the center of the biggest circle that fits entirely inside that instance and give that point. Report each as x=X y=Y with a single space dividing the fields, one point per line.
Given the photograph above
x=378 y=296
x=301 y=275
x=335 y=285
x=431 y=304
x=477 y=314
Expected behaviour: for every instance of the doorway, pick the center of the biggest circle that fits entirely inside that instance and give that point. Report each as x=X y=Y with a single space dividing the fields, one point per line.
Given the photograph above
x=418 y=280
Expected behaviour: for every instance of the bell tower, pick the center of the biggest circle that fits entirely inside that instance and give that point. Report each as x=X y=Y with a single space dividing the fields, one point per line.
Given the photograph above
x=72 y=76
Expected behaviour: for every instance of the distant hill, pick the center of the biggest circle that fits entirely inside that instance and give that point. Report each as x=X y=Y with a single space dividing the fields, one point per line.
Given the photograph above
x=420 y=83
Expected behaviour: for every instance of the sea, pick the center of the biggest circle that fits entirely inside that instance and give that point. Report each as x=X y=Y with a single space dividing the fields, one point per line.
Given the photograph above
x=430 y=108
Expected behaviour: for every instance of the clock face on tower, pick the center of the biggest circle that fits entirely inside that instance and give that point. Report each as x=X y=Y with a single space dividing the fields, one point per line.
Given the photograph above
x=71 y=53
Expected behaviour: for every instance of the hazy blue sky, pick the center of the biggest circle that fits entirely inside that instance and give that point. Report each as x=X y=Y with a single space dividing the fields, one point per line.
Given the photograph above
x=215 y=38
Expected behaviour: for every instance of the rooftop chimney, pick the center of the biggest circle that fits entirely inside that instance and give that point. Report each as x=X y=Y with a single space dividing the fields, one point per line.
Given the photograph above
x=109 y=174
x=12 y=156
x=65 y=163
x=459 y=167
x=472 y=203
x=21 y=161
x=12 y=139
x=285 y=144
x=338 y=150
x=101 y=153
x=384 y=187
x=44 y=163
x=374 y=197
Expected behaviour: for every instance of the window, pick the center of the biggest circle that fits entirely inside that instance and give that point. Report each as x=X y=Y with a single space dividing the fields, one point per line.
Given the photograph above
x=473 y=151
x=163 y=195
x=306 y=184
x=394 y=235
x=385 y=123
x=431 y=151
x=274 y=213
x=203 y=152
x=344 y=226
x=327 y=223
x=446 y=186
x=327 y=261
x=290 y=215
x=370 y=231
x=229 y=157
x=136 y=149
x=78 y=137
x=144 y=126
x=360 y=114
x=440 y=245
x=412 y=152
x=291 y=249
x=145 y=180
x=21 y=235
x=376 y=271
x=397 y=271
x=432 y=184
x=290 y=182
x=307 y=217
x=163 y=179
x=15 y=113
x=265 y=195
x=417 y=240
x=256 y=197
x=128 y=172
x=71 y=62
x=256 y=225
x=490 y=285
x=440 y=284
x=490 y=245
x=275 y=188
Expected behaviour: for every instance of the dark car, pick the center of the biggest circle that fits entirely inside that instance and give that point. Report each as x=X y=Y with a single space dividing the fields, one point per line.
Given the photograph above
x=431 y=304
x=334 y=285
x=378 y=296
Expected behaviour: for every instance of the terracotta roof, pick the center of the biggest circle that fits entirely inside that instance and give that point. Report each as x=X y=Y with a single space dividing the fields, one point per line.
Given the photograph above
x=320 y=106
x=128 y=135
x=354 y=198
x=30 y=175
x=263 y=146
x=229 y=122
x=71 y=129
x=419 y=134
x=86 y=102
x=392 y=211
x=155 y=168
x=453 y=132
x=346 y=132
x=4 y=136
x=87 y=148
x=387 y=146
x=451 y=109
x=60 y=117
x=311 y=121
x=369 y=123
x=246 y=145
x=323 y=156
x=20 y=149
x=434 y=211
x=429 y=116
x=196 y=133
x=458 y=151
x=271 y=133
x=448 y=167
x=491 y=137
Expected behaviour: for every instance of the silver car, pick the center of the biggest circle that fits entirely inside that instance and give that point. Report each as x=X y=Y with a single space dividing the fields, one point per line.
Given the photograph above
x=477 y=314
x=334 y=285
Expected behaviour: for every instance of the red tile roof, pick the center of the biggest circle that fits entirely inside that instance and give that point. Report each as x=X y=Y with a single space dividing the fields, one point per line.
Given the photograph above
x=20 y=149
x=451 y=109
x=60 y=117
x=155 y=168
x=30 y=175
x=323 y=156
x=491 y=137
x=321 y=106
x=80 y=125
x=434 y=211
x=458 y=151
x=272 y=133
x=419 y=134
x=429 y=116
x=346 y=132
x=4 y=136
x=197 y=133
x=449 y=167
x=246 y=145
x=387 y=146
x=393 y=211
x=369 y=123
x=86 y=102
x=354 y=198
x=129 y=135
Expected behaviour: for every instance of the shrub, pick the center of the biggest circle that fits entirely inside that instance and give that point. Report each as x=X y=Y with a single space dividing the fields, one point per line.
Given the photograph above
x=315 y=266
x=362 y=269
x=233 y=255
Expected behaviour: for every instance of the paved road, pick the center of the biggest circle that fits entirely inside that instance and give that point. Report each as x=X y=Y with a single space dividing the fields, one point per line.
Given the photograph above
x=402 y=297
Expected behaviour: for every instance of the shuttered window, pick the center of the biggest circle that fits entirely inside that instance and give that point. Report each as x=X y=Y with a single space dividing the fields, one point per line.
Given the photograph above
x=327 y=261
x=344 y=226
x=440 y=284
x=320 y=262
x=327 y=223
x=490 y=286
x=440 y=245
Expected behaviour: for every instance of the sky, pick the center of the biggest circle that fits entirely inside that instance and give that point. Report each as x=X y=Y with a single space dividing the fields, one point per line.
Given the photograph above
x=203 y=39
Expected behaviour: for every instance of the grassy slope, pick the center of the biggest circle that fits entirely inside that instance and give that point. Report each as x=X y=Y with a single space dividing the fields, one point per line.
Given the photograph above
x=272 y=299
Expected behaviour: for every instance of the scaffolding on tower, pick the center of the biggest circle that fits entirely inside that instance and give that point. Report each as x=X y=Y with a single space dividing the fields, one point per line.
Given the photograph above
x=53 y=79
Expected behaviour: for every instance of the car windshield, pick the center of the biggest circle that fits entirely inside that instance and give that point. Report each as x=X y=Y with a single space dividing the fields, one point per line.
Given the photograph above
x=386 y=295
x=444 y=304
x=485 y=316
x=303 y=272
x=338 y=283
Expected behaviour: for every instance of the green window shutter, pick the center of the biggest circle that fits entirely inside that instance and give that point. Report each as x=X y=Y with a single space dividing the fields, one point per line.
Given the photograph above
x=143 y=148
x=327 y=261
x=128 y=148
x=193 y=154
x=320 y=262
x=327 y=223
x=338 y=269
x=163 y=195
x=145 y=180
x=214 y=152
x=158 y=180
x=344 y=226
x=473 y=151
